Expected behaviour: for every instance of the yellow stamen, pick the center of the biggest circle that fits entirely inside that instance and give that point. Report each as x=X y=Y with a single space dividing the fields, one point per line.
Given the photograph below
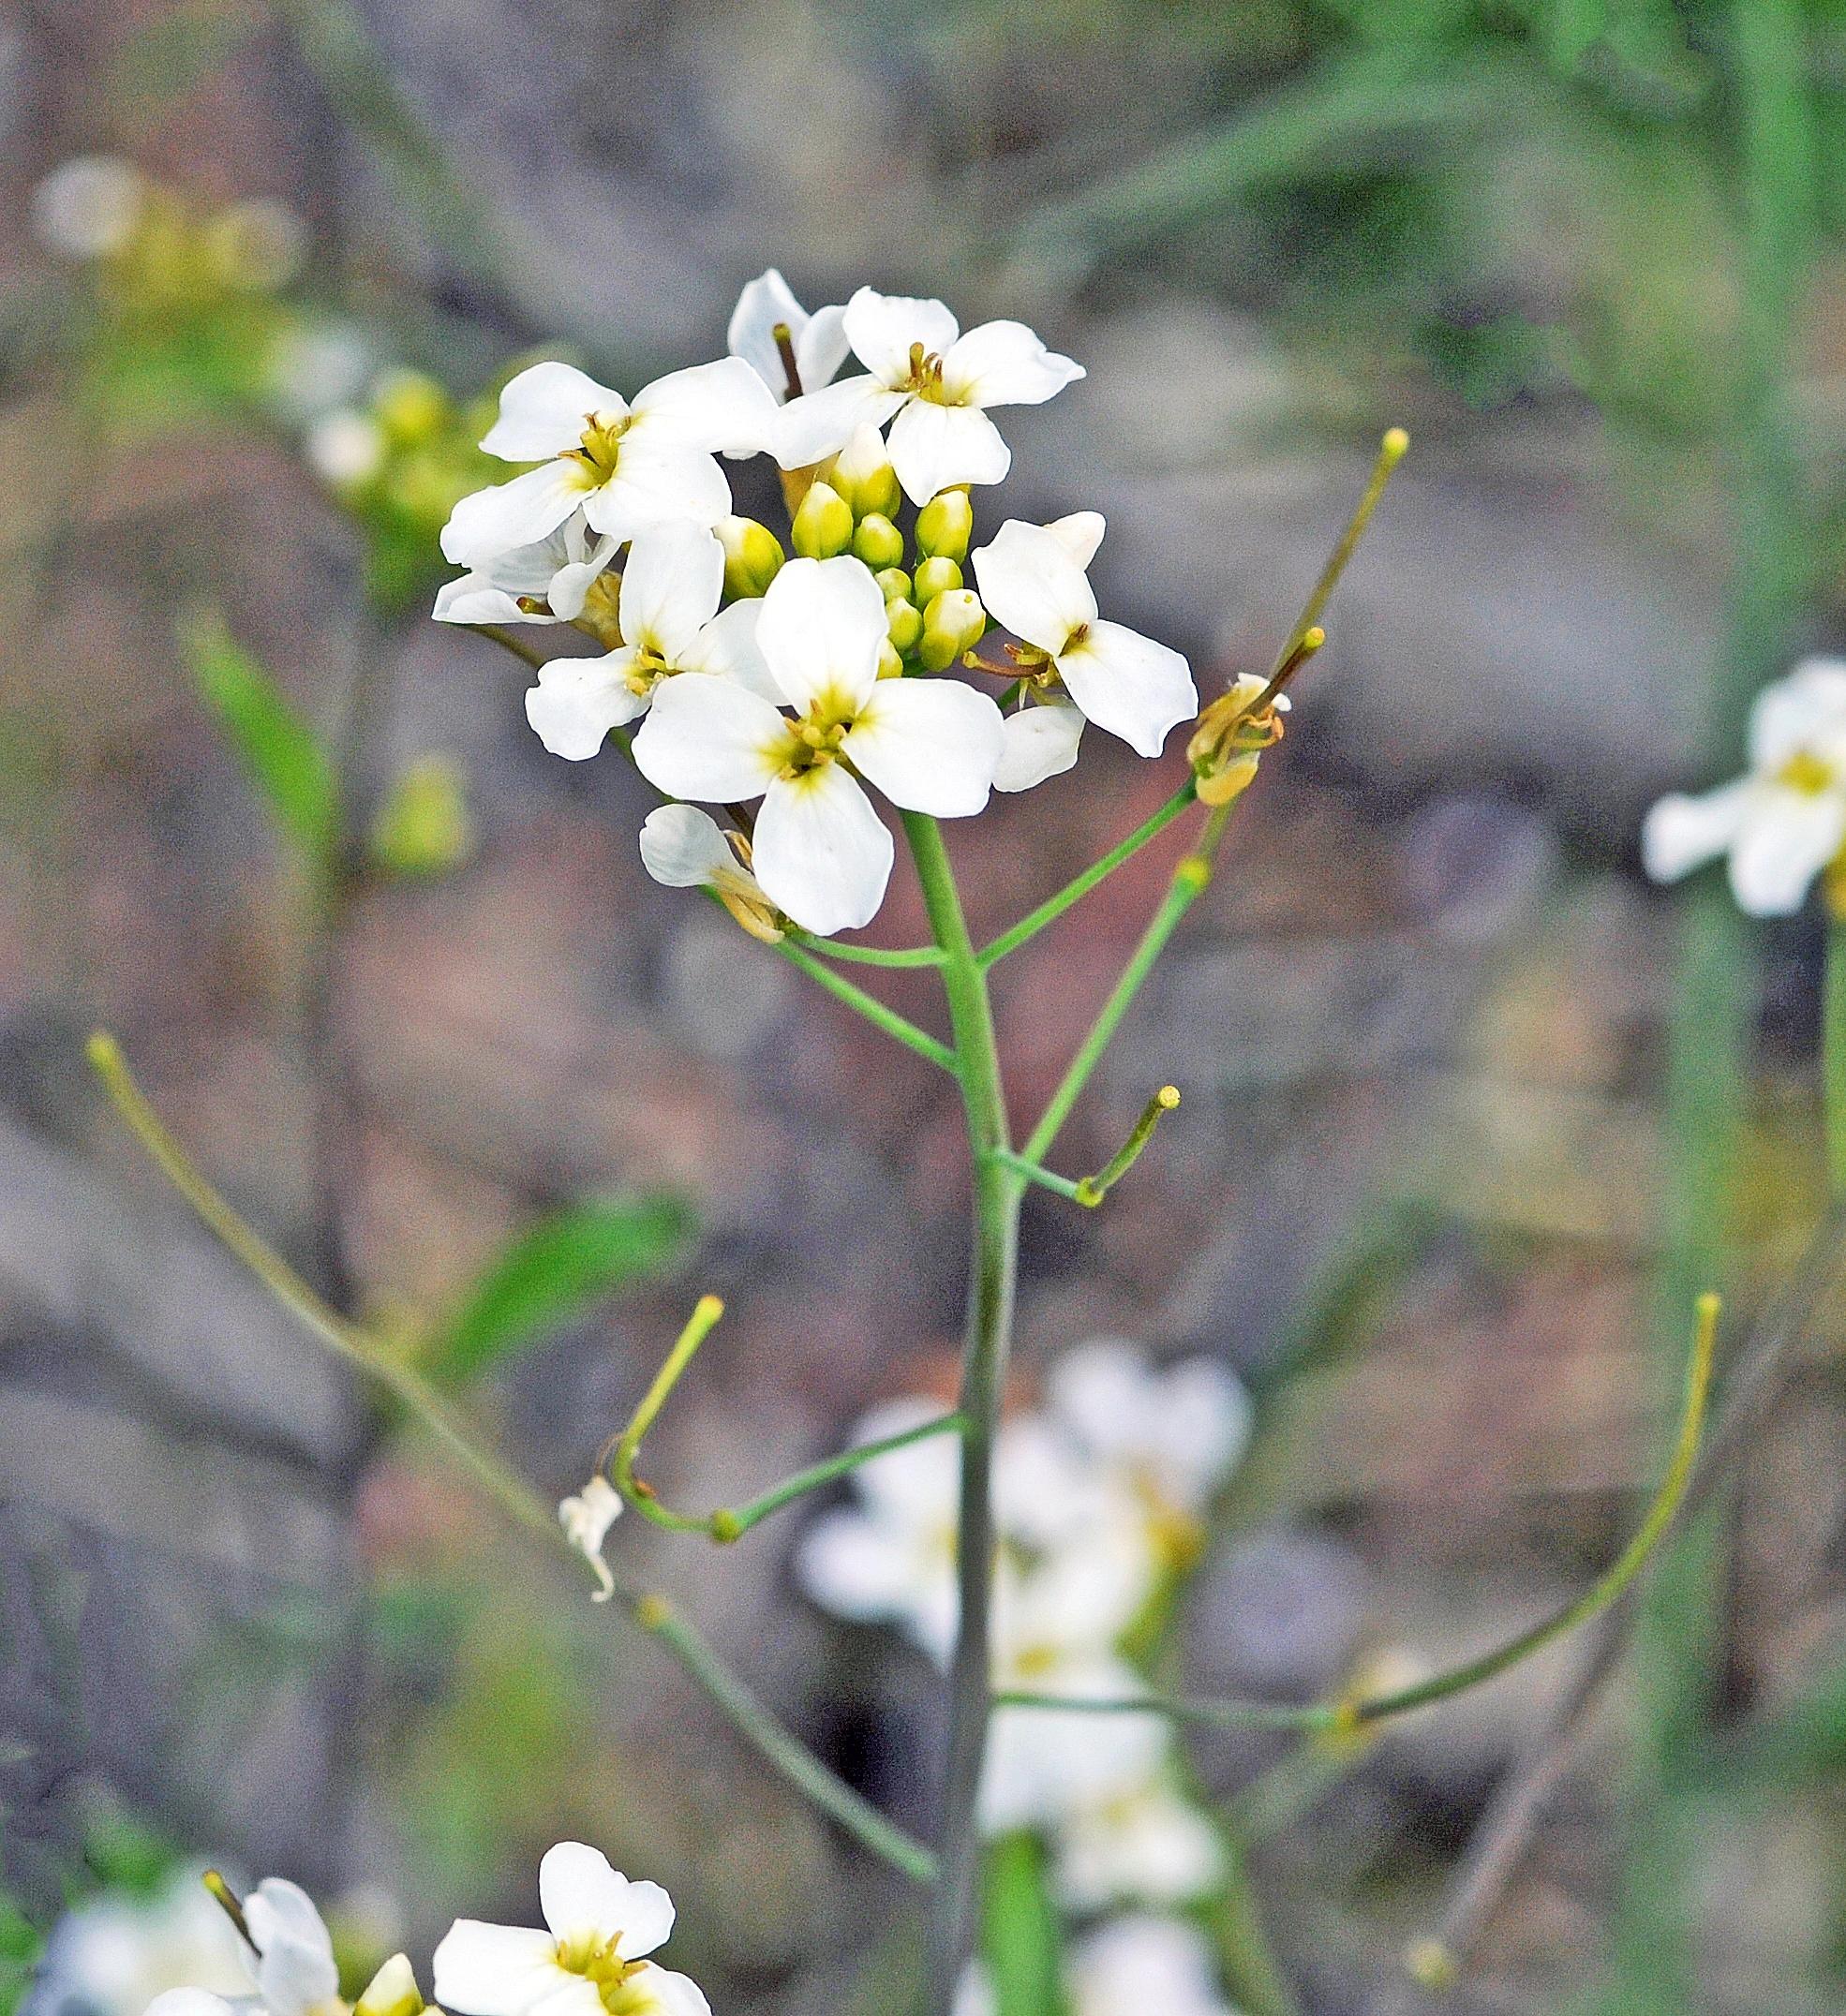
x=1805 y=772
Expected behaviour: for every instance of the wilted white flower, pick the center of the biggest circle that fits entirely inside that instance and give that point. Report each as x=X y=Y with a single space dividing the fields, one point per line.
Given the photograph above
x=590 y=1961
x=819 y=850
x=818 y=340
x=625 y=466
x=936 y=383
x=557 y=571
x=114 y=1955
x=1783 y=821
x=293 y=1966
x=88 y=207
x=345 y=447
x=668 y=612
x=1145 y=1845
x=1176 y=1433
x=1142 y=1965
x=585 y=1520
x=1033 y=579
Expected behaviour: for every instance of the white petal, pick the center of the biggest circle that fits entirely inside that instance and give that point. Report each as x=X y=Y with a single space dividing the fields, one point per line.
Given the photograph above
x=821 y=630
x=858 y=1568
x=1130 y=685
x=1040 y=742
x=296 y=1971
x=490 y=523
x=1030 y=583
x=649 y=488
x=570 y=586
x=671 y=586
x=470 y=599
x=882 y=327
x=930 y=745
x=683 y=847
x=711 y=738
x=936 y=446
x=190 y=2002
x=1080 y=534
x=1797 y=712
x=1787 y=838
x=544 y=411
x=727 y=648
x=764 y=301
x=821 y=348
x=820 y=851
x=1682 y=832
x=584 y=1898
x=578 y=699
x=667 y=1993
x=1004 y=363
x=820 y=424
x=498 y=1970
x=722 y=407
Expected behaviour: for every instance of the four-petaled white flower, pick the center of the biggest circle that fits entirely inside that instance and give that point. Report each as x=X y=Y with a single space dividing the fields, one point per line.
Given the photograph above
x=819 y=850
x=668 y=612
x=1142 y=1963
x=591 y=1960
x=1785 y=819
x=586 y=1519
x=625 y=466
x=292 y=1967
x=818 y=340
x=936 y=383
x=556 y=569
x=1033 y=579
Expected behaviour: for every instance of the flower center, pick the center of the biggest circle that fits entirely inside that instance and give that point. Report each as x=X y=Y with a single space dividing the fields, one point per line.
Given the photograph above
x=619 y=1982
x=647 y=673
x=926 y=377
x=1805 y=772
x=600 y=447
x=814 y=743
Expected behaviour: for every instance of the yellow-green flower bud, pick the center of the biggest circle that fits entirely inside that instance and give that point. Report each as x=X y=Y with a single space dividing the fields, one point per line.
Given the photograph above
x=935 y=577
x=411 y=407
x=878 y=543
x=754 y=556
x=952 y=624
x=894 y=583
x=890 y=666
x=945 y=525
x=824 y=525
x=863 y=475
x=393 y=1992
x=423 y=827
x=904 y=621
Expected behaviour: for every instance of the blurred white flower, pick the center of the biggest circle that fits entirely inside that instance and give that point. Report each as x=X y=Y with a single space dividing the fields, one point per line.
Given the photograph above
x=585 y=1520
x=936 y=383
x=590 y=1961
x=293 y=1966
x=1044 y=1765
x=625 y=466
x=974 y=1992
x=344 y=448
x=1033 y=579
x=819 y=850
x=1785 y=819
x=114 y=1955
x=314 y=367
x=88 y=207
x=1142 y=1965
x=668 y=612
x=257 y=246
x=557 y=571
x=1143 y=1846
x=818 y=340
x=1176 y=1434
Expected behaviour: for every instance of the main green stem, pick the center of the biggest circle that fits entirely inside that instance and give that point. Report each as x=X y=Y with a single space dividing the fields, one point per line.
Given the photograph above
x=990 y=1288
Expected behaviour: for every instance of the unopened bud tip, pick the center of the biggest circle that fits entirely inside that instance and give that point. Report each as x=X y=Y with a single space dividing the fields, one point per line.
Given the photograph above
x=1169 y=1096
x=1396 y=441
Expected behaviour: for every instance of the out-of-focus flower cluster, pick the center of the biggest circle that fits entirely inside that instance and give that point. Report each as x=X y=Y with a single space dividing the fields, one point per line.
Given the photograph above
x=1099 y=1499
x=746 y=674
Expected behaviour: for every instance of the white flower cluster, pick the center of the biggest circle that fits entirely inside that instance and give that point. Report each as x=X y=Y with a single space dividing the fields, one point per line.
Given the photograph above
x=1099 y=1498
x=800 y=681
x=1139 y=1964
x=590 y=1960
x=1784 y=820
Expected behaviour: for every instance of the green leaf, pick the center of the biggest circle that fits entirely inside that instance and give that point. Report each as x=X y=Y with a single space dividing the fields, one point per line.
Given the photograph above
x=565 y=1262
x=1021 y=1935
x=280 y=751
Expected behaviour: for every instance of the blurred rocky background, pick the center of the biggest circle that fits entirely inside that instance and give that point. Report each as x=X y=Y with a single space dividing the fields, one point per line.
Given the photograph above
x=1415 y=1193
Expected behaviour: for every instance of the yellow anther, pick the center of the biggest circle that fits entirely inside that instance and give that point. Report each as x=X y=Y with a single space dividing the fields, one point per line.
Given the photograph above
x=1807 y=773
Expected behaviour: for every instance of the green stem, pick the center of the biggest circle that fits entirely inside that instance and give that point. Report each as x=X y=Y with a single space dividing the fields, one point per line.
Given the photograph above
x=989 y=1334
x=829 y=948
x=1251 y=1970
x=874 y=1010
x=1061 y=1186
x=508 y=1490
x=699 y=1326
x=1833 y=1065
x=527 y=654
x=1054 y=907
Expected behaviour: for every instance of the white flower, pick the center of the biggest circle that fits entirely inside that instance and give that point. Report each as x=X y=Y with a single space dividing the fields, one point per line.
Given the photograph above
x=343 y=447
x=1145 y=1845
x=1175 y=1433
x=114 y=1955
x=88 y=207
x=1142 y=1965
x=668 y=612
x=585 y=1520
x=974 y=1992
x=293 y=1967
x=1044 y=1764
x=818 y=340
x=591 y=1960
x=1033 y=579
x=819 y=850
x=556 y=569
x=936 y=382
x=1785 y=820
x=625 y=466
